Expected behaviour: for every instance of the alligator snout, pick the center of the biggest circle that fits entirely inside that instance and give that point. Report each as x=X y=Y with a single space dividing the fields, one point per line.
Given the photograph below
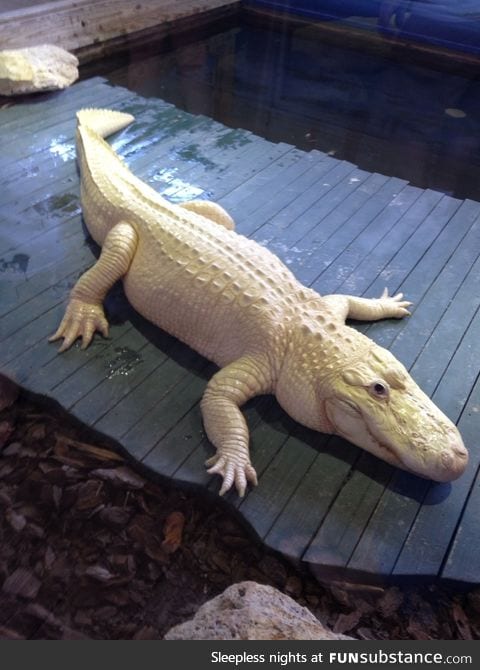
x=453 y=459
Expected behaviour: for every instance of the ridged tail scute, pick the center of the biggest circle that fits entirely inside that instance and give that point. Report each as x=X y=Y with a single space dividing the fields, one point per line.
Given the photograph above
x=103 y=122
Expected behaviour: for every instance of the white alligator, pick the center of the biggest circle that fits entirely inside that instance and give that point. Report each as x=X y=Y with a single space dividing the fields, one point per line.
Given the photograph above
x=185 y=269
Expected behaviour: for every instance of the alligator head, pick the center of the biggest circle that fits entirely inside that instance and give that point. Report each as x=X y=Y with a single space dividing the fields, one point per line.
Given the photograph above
x=349 y=386
x=377 y=405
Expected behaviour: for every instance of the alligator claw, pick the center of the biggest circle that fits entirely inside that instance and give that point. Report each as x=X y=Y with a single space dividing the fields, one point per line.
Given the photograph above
x=81 y=320
x=232 y=472
x=393 y=305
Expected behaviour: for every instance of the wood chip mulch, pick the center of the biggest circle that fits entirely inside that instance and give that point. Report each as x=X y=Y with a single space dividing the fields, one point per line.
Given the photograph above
x=91 y=549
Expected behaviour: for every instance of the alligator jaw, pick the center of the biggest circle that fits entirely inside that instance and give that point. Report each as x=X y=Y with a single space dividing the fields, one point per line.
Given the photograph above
x=444 y=461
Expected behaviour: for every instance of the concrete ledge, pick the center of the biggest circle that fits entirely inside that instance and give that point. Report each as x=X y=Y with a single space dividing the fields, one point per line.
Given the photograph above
x=85 y=25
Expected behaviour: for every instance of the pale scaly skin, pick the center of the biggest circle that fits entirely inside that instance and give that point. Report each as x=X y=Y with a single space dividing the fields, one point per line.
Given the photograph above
x=186 y=270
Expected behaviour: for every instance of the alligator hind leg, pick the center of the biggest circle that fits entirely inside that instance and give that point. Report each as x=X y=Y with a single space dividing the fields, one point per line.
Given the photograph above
x=212 y=211
x=225 y=424
x=84 y=314
x=370 y=309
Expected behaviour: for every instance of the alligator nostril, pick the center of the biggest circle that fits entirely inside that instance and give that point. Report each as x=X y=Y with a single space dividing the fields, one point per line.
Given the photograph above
x=457 y=446
x=461 y=452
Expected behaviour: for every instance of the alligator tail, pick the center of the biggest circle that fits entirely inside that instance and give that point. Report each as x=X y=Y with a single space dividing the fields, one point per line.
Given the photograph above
x=103 y=122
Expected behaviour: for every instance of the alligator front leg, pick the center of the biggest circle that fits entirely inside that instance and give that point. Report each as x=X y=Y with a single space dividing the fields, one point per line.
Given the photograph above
x=369 y=309
x=225 y=424
x=84 y=314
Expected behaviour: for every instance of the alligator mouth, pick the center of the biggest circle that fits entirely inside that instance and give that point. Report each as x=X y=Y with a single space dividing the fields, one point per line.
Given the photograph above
x=386 y=452
x=380 y=447
x=443 y=462
x=454 y=462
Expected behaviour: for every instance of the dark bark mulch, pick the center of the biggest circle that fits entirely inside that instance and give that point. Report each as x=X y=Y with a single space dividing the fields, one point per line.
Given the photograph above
x=91 y=549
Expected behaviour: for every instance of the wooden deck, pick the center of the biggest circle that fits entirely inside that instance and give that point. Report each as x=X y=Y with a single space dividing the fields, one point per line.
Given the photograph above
x=319 y=500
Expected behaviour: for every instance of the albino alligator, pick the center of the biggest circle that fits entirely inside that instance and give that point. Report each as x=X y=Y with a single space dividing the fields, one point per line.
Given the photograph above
x=186 y=270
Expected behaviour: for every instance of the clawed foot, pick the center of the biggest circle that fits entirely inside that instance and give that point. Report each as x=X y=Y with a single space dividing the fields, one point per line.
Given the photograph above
x=81 y=320
x=232 y=472
x=393 y=305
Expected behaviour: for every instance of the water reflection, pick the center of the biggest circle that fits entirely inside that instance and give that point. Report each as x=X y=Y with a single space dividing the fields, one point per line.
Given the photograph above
x=384 y=114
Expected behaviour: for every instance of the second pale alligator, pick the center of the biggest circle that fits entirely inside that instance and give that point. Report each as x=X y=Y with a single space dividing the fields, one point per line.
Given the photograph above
x=185 y=269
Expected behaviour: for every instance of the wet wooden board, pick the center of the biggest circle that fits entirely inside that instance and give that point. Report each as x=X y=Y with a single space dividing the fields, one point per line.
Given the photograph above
x=320 y=500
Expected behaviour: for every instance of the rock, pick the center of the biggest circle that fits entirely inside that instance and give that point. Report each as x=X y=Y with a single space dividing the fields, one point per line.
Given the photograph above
x=251 y=611
x=42 y=68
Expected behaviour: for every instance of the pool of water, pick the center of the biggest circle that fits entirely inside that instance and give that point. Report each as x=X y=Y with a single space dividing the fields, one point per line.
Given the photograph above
x=386 y=116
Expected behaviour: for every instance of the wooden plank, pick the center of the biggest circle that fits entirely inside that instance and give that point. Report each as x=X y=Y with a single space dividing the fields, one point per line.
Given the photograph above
x=182 y=392
x=213 y=181
x=321 y=247
x=264 y=206
x=178 y=444
x=321 y=220
x=19 y=317
x=37 y=271
x=89 y=375
x=119 y=419
x=335 y=541
x=208 y=155
x=35 y=222
x=46 y=274
x=261 y=507
x=246 y=198
x=334 y=188
x=312 y=188
x=404 y=273
x=136 y=361
x=448 y=261
x=299 y=519
x=369 y=253
x=258 y=157
x=414 y=279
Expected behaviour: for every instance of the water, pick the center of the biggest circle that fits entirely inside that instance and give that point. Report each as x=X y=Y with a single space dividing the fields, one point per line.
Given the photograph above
x=385 y=116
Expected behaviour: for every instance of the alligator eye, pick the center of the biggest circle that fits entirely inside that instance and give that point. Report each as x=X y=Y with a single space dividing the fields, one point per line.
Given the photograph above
x=379 y=389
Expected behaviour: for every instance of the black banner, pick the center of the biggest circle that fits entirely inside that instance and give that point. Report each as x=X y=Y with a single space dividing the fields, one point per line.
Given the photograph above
x=219 y=655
